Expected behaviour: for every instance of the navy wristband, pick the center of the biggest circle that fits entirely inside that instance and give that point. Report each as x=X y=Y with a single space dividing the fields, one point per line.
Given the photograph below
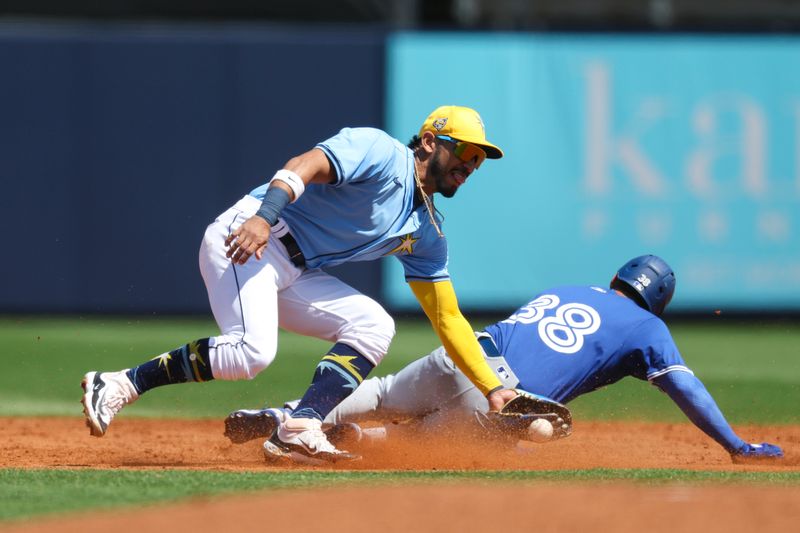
x=274 y=201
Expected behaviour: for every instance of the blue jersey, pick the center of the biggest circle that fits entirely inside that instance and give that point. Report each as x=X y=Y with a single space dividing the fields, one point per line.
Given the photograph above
x=369 y=211
x=572 y=340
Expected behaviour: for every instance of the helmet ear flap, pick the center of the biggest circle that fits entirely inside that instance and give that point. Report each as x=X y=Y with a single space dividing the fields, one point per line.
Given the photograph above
x=625 y=288
x=648 y=280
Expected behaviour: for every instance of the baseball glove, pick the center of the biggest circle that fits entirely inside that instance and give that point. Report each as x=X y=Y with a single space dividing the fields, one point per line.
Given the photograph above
x=516 y=416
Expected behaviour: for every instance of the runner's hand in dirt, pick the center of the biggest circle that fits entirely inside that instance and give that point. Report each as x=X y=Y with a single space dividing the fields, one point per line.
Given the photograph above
x=757 y=452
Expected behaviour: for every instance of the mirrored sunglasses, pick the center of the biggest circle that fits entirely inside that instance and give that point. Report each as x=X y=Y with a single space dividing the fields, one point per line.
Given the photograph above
x=467 y=152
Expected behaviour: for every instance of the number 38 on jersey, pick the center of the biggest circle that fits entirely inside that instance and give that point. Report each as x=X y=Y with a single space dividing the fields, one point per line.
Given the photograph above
x=563 y=331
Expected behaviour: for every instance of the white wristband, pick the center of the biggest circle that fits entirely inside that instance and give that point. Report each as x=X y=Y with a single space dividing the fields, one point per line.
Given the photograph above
x=291 y=179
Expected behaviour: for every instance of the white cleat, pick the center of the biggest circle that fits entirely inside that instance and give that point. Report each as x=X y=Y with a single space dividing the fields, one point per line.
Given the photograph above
x=104 y=394
x=302 y=440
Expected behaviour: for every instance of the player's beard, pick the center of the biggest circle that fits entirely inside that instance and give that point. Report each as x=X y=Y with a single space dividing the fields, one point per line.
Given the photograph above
x=437 y=171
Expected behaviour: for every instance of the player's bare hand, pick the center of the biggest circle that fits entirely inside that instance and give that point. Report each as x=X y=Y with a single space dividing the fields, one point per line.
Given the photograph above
x=498 y=398
x=248 y=239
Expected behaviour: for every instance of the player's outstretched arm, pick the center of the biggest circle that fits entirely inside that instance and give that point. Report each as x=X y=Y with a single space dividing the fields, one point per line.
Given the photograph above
x=439 y=302
x=689 y=393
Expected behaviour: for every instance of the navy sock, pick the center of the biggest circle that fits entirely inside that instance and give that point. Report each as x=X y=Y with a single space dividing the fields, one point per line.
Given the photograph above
x=187 y=363
x=341 y=370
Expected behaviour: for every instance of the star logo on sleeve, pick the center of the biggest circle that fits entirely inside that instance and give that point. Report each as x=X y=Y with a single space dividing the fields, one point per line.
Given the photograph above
x=406 y=245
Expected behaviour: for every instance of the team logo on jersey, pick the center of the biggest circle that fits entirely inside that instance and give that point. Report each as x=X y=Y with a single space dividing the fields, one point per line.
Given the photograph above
x=406 y=245
x=439 y=123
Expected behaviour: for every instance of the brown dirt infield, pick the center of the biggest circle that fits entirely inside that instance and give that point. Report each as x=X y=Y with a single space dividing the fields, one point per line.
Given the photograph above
x=470 y=506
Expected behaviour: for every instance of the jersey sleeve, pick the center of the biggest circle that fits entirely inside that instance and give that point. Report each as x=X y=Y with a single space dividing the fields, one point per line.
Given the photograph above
x=357 y=154
x=655 y=352
x=439 y=302
x=696 y=402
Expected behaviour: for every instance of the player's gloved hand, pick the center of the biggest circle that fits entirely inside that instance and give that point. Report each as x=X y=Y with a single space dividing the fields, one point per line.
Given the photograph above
x=248 y=239
x=514 y=419
x=756 y=452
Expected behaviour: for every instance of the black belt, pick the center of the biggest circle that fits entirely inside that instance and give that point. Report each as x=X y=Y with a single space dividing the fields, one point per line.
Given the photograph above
x=488 y=346
x=295 y=255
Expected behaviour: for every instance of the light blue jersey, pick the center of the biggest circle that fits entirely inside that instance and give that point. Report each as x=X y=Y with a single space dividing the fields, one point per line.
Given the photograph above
x=369 y=212
x=572 y=340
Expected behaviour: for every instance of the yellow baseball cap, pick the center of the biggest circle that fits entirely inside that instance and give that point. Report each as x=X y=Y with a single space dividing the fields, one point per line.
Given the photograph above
x=460 y=123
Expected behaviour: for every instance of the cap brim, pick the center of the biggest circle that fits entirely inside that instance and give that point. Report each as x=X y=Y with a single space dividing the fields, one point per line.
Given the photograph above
x=492 y=151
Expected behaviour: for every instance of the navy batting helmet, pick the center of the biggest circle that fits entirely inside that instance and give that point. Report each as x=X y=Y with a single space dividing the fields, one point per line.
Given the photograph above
x=651 y=279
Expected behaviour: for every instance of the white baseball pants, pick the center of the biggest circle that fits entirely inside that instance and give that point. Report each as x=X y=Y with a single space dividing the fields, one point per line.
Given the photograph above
x=251 y=301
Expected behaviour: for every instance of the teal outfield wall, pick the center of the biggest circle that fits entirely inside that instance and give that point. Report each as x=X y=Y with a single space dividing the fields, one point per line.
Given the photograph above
x=683 y=146
x=119 y=143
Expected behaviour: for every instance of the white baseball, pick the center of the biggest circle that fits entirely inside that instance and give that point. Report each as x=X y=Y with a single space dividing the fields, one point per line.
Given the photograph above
x=540 y=430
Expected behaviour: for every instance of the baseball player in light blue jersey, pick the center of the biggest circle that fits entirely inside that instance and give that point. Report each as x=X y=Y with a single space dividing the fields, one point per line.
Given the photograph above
x=358 y=196
x=565 y=342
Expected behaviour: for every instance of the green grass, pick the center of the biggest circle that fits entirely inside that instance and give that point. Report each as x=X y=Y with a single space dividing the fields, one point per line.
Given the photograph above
x=752 y=371
x=25 y=493
x=45 y=359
